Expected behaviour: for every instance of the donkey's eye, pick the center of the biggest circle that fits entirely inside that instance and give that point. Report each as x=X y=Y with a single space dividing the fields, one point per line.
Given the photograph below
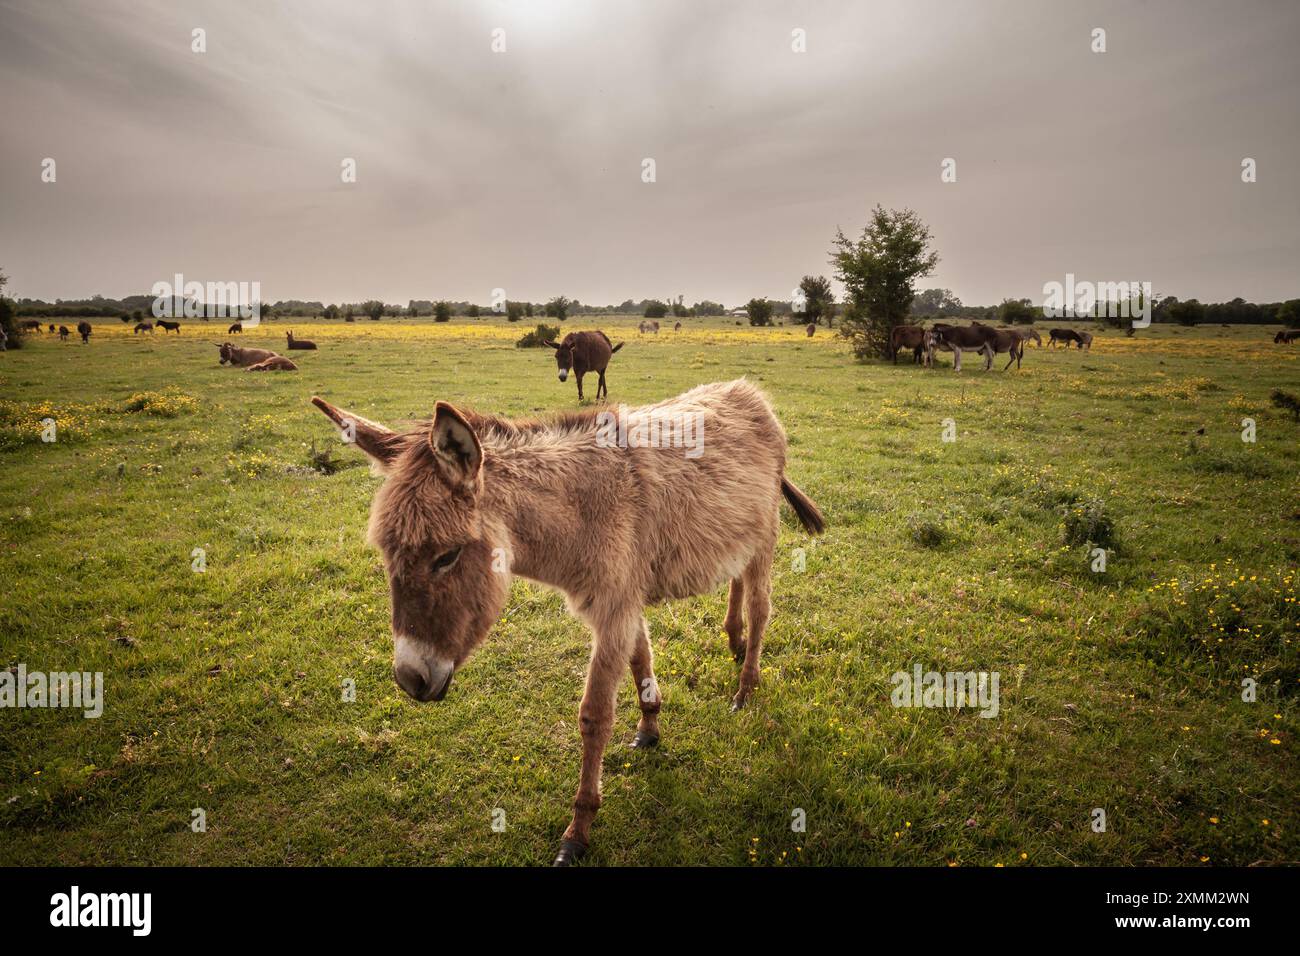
x=446 y=560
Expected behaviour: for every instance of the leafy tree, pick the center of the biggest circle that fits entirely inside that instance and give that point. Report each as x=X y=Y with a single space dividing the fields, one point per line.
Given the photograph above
x=8 y=318
x=1016 y=312
x=1288 y=313
x=441 y=311
x=819 y=302
x=877 y=271
x=1188 y=312
x=760 y=311
x=374 y=310
x=514 y=311
x=472 y=312
x=558 y=308
x=654 y=309
x=706 y=307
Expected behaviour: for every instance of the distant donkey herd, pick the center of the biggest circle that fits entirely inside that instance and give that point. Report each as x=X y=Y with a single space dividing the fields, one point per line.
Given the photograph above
x=977 y=337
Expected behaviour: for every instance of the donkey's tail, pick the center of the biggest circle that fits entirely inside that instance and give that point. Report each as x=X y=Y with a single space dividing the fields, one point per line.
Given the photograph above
x=808 y=514
x=616 y=348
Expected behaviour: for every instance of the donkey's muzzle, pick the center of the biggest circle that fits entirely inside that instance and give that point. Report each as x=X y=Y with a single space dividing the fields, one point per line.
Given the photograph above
x=419 y=684
x=564 y=374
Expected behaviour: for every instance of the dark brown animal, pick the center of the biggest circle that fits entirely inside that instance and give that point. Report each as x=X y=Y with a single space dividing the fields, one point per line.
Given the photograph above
x=31 y=325
x=236 y=327
x=585 y=352
x=913 y=337
x=1062 y=335
x=974 y=337
x=245 y=357
x=302 y=345
x=84 y=329
x=1011 y=341
x=168 y=326
x=1287 y=336
x=276 y=363
x=677 y=327
x=51 y=327
x=811 y=329
x=63 y=333
x=469 y=500
x=142 y=327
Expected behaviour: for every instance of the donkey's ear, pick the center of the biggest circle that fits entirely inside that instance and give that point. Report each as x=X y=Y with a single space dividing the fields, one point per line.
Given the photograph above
x=455 y=445
x=553 y=344
x=381 y=444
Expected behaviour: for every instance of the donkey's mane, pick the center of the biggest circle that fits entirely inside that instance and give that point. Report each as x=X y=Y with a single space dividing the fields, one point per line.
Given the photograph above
x=494 y=429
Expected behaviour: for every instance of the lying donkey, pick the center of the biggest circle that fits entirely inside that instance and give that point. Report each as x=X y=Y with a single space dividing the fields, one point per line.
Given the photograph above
x=471 y=499
x=241 y=356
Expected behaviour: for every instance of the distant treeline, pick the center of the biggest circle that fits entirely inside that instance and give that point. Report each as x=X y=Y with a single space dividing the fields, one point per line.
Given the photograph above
x=928 y=303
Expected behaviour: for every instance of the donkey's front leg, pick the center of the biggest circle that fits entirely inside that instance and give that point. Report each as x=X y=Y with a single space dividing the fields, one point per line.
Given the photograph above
x=609 y=657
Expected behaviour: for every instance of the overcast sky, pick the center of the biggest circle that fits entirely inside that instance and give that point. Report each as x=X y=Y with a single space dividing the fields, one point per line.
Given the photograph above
x=523 y=169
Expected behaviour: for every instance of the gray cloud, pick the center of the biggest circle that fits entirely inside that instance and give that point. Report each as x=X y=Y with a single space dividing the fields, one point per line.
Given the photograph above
x=522 y=169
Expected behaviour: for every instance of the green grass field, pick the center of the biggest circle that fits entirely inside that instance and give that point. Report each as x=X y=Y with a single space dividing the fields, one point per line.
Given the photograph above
x=1119 y=690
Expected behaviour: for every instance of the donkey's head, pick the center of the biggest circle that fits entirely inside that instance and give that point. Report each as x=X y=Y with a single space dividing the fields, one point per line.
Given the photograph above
x=563 y=355
x=225 y=352
x=445 y=566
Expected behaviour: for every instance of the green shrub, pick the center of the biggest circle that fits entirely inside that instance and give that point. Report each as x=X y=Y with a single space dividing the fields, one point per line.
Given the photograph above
x=538 y=338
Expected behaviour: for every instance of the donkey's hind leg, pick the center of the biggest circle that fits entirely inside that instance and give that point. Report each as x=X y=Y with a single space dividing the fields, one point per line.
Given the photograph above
x=647 y=690
x=734 y=625
x=758 y=607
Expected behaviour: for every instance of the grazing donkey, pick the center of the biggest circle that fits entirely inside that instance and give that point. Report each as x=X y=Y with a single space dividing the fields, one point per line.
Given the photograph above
x=585 y=352
x=1062 y=335
x=811 y=329
x=84 y=330
x=235 y=328
x=616 y=525
x=303 y=345
x=31 y=325
x=1085 y=340
x=51 y=328
x=142 y=327
x=63 y=333
x=168 y=326
x=1287 y=336
x=240 y=356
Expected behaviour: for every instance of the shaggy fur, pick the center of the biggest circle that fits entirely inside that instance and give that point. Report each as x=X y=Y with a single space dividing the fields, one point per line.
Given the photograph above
x=472 y=499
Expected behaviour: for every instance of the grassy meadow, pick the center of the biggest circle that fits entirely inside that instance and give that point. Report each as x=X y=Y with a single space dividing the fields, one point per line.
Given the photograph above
x=1120 y=690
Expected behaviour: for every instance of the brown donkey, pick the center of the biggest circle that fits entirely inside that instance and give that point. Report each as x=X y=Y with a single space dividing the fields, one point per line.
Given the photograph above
x=585 y=352
x=471 y=499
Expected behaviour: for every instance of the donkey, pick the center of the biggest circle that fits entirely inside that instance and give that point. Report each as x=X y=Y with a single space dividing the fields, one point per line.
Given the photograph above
x=300 y=344
x=1287 y=336
x=1085 y=340
x=1011 y=341
x=51 y=328
x=31 y=325
x=240 y=356
x=63 y=333
x=1062 y=335
x=84 y=330
x=471 y=499
x=276 y=363
x=168 y=326
x=235 y=328
x=142 y=327
x=811 y=329
x=914 y=337
x=954 y=338
x=585 y=352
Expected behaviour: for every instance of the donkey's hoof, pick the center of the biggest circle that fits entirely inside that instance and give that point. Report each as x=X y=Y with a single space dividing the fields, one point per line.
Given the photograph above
x=644 y=741
x=571 y=851
x=738 y=702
